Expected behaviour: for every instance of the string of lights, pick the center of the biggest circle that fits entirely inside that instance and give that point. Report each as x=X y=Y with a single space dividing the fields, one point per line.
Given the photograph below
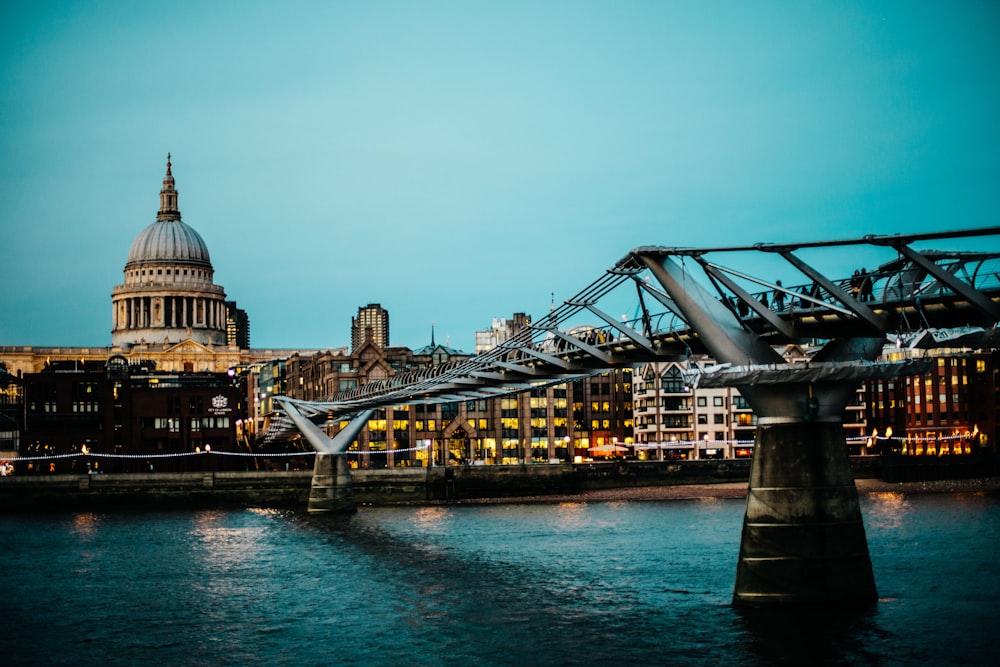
x=680 y=443
x=204 y=453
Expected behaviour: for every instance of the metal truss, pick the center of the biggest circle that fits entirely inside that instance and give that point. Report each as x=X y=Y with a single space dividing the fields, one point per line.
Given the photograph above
x=913 y=291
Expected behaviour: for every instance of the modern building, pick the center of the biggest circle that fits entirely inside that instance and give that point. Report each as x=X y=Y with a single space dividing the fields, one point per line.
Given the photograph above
x=501 y=331
x=237 y=327
x=675 y=420
x=371 y=324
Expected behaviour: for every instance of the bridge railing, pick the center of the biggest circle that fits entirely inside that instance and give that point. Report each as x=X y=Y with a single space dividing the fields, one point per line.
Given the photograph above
x=886 y=287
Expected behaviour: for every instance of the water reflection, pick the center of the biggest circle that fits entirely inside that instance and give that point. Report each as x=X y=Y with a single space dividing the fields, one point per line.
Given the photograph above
x=886 y=511
x=812 y=635
x=86 y=524
x=431 y=517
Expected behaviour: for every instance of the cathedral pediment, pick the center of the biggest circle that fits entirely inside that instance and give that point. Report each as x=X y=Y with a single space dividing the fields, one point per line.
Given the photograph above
x=188 y=347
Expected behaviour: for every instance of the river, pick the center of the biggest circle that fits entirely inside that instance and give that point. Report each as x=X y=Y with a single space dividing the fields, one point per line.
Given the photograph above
x=572 y=583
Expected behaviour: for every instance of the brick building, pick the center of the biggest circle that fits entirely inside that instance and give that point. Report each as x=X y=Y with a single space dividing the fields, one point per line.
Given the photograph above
x=130 y=411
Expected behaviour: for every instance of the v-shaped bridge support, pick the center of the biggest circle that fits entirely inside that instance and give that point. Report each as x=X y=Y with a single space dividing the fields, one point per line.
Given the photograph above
x=331 y=489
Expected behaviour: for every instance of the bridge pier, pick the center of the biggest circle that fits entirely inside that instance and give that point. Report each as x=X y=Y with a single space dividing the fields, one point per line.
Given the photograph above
x=332 y=490
x=803 y=538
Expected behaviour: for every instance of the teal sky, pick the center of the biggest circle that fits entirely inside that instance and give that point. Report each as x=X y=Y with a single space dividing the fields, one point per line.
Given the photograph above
x=459 y=161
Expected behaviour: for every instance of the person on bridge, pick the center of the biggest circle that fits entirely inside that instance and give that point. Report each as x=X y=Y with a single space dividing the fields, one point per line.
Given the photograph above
x=779 y=298
x=866 y=286
x=856 y=284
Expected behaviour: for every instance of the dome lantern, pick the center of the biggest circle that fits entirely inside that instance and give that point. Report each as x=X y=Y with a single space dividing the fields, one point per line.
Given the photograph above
x=168 y=198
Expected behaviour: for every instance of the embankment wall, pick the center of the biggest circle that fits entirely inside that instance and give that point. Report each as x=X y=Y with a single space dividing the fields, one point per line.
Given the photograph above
x=410 y=485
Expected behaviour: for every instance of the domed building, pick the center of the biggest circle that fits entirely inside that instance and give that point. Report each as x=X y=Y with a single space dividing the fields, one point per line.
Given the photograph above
x=169 y=294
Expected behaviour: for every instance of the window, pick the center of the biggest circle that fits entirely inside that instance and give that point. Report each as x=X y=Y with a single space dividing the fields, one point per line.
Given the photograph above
x=719 y=401
x=673 y=383
x=702 y=401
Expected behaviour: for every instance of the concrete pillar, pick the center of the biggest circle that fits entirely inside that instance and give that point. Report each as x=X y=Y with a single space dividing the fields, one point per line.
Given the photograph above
x=803 y=538
x=332 y=490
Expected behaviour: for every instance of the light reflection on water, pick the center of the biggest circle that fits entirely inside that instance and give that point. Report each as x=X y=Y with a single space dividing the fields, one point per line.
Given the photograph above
x=563 y=584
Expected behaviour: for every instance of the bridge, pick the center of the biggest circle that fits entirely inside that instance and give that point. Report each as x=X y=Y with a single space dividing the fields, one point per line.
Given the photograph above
x=803 y=538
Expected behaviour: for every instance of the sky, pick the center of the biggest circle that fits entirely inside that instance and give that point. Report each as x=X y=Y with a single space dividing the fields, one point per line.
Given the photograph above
x=460 y=161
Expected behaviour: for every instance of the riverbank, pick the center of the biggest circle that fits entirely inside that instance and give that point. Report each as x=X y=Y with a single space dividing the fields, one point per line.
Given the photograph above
x=723 y=490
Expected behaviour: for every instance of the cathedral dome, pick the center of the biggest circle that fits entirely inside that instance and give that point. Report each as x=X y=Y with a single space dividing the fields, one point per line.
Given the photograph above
x=169 y=293
x=168 y=241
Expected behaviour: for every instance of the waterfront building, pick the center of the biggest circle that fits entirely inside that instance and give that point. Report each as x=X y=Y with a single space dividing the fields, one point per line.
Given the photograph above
x=11 y=417
x=578 y=420
x=952 y=409
x=128 y=410
x=675 y=420
x=372 y=323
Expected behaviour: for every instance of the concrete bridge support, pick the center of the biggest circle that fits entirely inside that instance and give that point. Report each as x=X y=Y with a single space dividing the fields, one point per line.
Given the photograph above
x=332 y=490
x=803 y=537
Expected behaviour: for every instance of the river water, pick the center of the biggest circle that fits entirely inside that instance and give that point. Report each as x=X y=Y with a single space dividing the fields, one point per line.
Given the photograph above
x=598 y=583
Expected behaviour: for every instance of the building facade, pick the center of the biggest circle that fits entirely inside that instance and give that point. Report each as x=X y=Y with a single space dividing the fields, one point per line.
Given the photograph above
x=11 y=418
x=569 y=421
x=148 y=420
x=953 y=409
x=675 y=420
